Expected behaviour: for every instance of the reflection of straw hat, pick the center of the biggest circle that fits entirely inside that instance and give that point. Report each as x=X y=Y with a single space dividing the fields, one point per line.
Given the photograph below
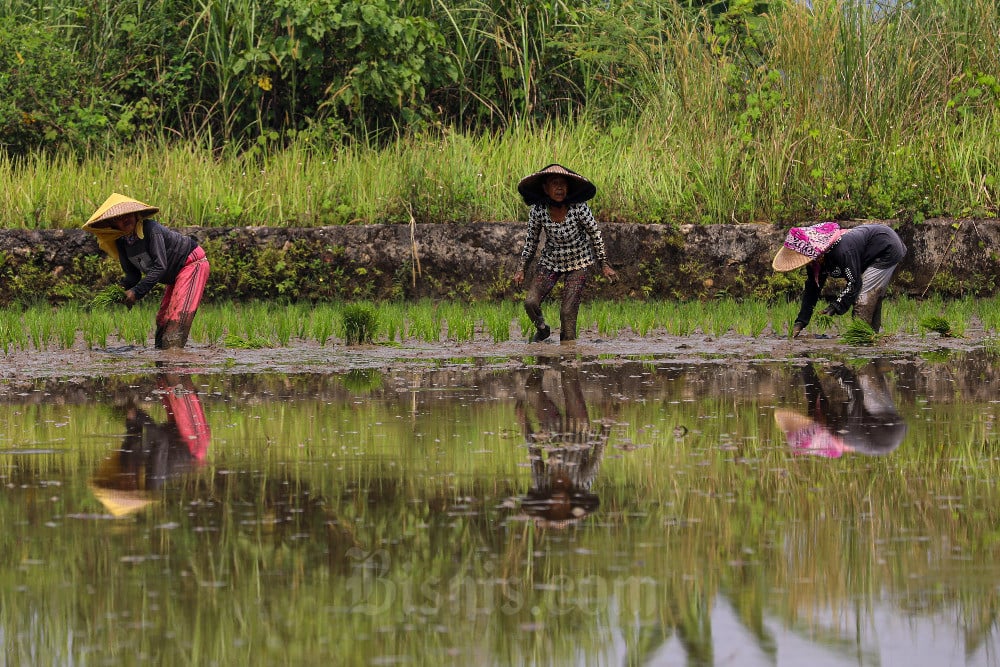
x=122 y=503
x=115 y=206
x=121 y=492
x=560 y=508
x=804 y=244
x=579 y=189
x=807 y=436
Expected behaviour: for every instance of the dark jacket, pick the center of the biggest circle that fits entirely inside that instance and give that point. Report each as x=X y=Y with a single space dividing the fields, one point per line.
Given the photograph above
x=862 y=247
x=156 y=258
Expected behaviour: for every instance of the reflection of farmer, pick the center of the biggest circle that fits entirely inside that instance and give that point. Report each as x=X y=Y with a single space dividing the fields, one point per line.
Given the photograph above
x=565 y=450
x=865 y=257
x=848 y=412
x=149 y=254
x=151 y=452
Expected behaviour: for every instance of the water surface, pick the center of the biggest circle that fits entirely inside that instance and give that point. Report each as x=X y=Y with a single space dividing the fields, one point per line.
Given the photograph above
x=557 y=511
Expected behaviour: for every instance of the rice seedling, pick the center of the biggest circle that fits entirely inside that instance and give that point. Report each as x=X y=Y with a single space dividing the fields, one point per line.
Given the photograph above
x=359 y=324
x=109 y=296
x=392 y=319
x=527 y=327
x=645 y=318
x=134 y=325
x=459 y=322
x=607 y=316
x=721 y=316
x=65 y=323
x=937 y=324
x=11 y=331
x=424 y=322
x=496 y=321
x=988 y=312
x=321 y=327
x=208 y=326
x=249 y=342
x=858 y=332
x=284 y=324
x=97 y=326
x=752 y=318
x=39 y=322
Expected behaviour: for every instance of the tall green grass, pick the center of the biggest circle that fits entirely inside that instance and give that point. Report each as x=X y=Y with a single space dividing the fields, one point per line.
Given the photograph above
x=825 y=112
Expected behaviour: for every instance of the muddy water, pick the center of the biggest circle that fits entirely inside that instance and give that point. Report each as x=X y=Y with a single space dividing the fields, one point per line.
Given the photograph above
x=545 y=510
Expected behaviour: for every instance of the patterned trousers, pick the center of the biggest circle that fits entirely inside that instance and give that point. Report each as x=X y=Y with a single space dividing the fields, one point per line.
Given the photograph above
x=574 y=283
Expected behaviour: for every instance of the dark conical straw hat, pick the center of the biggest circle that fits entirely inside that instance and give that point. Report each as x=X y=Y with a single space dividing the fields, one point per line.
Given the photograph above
x=531 y=187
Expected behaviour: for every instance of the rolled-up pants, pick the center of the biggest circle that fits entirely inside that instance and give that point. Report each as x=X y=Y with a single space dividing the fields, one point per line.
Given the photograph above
x=180 y=302
x=868 y=305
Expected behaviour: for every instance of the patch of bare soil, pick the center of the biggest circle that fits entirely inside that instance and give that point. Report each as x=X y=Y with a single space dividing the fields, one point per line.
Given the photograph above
x=307 y=357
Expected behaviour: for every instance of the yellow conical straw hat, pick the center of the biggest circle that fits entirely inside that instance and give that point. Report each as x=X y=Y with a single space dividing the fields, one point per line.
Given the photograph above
x=113 y=207
x=117 y=205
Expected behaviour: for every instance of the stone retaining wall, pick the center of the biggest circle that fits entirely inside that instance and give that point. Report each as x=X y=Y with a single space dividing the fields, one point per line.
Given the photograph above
x=476 y=260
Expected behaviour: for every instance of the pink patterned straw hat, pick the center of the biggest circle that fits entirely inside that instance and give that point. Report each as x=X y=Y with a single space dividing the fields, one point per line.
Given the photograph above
x=804 y=244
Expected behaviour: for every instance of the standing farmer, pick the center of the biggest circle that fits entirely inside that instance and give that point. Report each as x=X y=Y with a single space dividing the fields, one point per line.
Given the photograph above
x=865 y=256
x=573 y=244
x=150 y=253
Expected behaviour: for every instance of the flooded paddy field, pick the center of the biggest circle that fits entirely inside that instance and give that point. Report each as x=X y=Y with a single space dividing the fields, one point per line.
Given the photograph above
x=709 y=503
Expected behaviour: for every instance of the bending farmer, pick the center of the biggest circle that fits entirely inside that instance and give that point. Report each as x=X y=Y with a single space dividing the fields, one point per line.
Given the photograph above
x=150 y=253
x=573 y=244
x=865 y=257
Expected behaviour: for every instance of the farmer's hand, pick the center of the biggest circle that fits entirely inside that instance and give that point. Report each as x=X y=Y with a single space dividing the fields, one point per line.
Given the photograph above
x=797 y=329
x=518 y=277
x=130 y=298
x=609 y=273
x=829 y=310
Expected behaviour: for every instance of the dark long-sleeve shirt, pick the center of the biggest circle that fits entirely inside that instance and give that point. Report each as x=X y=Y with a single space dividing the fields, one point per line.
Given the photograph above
x=156 y=258
x=862 y=247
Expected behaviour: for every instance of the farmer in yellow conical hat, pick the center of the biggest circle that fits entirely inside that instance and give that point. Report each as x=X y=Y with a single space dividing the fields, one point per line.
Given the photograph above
x=151 y=254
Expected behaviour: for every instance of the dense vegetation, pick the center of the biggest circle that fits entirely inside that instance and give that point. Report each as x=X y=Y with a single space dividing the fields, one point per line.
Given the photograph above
x=305 y=112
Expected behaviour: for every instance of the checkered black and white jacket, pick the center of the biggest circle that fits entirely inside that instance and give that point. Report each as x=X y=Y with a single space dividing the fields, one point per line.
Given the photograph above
x=575 y=243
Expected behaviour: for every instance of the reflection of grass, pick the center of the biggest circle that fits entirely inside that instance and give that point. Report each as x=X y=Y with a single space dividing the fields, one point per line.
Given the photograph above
x=41 y=326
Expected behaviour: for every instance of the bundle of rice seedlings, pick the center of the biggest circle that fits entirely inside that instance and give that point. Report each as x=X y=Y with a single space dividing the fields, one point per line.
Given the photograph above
x=937 y=324
x=859 y=332
x=360 y=324
x=251 y=342
x=109 y=296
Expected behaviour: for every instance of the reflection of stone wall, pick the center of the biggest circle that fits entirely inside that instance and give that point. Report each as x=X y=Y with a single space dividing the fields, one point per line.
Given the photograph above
x=475 y=260
x=970 y=378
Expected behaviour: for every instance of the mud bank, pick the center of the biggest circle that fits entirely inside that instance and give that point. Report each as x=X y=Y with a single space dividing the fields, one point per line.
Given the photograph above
x=22 y=368
x=475 y=261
